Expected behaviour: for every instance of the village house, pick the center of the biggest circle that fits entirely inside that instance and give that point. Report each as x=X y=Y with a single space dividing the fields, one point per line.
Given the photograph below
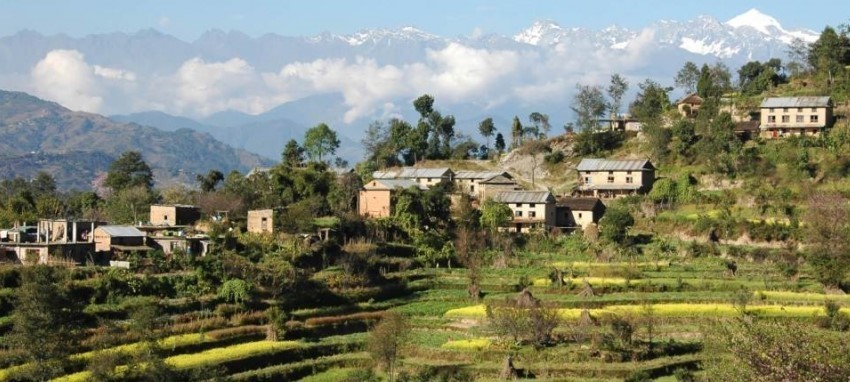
x=609 y=178
x=689 y=105
x=426 y=177
x=571 y=213
x=51 y=241
x=622 y=123
x=119 y=239
x=262 y=221
x=786 y=116
x=531 y=209
x=174 y=215
x=375 y=198
x=481 y=184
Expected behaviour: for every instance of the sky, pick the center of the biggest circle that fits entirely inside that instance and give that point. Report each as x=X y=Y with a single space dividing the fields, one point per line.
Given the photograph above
x=188 y=19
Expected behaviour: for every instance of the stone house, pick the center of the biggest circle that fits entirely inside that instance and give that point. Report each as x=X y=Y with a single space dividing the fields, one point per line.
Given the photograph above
x=116 y=238
x=375 y=198
x=262 y=221
x=689 y=105
x=786 y=116
x=608 y=178
x=531 y=209
x=574 y=213
x=481 y=184
x=174 y=215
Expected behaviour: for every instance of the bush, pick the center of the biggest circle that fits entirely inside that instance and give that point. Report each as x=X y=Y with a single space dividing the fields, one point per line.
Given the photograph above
x=554 y=157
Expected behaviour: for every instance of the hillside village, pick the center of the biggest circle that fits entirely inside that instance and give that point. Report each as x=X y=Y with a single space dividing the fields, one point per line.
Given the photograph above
x=682 y=240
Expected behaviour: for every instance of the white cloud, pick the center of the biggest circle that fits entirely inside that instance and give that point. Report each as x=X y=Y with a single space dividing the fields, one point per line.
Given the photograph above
x=114 y=74
x=164 y=21
x=65 y=77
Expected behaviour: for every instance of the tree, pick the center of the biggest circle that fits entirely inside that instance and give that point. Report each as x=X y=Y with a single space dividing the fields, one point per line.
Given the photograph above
x=45 y=325
x=687 y=77
x=128 y=171
x=535 y=149
x=826 y=231
x=523 y=319
x=319 y=141
x=541 y=124
x=651 y=101
x=129 y=205
x=616 y=89
x=517 y=133
x=487 y=128
x=589 y=105
x=387 y=339
x=830 y=53
x=798 y=52
x=293 y=154
x=500 y=143
x=209 y=181
x=235 y=291
x=615 y=224
x=495 y=215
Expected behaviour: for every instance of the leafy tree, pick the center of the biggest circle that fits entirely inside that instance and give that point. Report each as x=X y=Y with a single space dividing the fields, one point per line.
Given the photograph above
x=495 y=215
x=386 y=341
x=798 y=54
x=540 y=123
x=130 y=205
x=500 y=143
x=589 y=105
x=535 y=149
x=45 y=326
x=487 y=129
x=235 y=290
x=129 y=171
x=616 y=89
x=615 y=224
x=826 y=232
x=687 y=77
x=830 y=53
x=517 y=133
x=293 y=154
x=651 y=101
x=319 y=141
x=209 y=181
x=43 y=184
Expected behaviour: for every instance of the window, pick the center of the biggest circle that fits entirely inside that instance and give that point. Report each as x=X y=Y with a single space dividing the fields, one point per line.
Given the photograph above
x=532 y=214
x=531 y=205
x=629 y=179
x=813 y=118
x=263 y=223
x=814 y=109
x=786 y=118
x=429 y=180
x=628 y=173
x=579 y=215
x=518 y=213
x=799 y=119
x=587 y=173
x=471 y=188
x=165 y=217
x=518 y=205
x=610 y=179
x=784 y=109
x=587 y=180
x=771 y=110
x=799 y=109
x=771 y=119
x=610 y=172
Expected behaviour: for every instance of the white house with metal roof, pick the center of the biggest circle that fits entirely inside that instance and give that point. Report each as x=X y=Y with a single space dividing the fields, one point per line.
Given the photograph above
x=531 y=209
x=786 y=116
x=609 y=178
x=425 y=176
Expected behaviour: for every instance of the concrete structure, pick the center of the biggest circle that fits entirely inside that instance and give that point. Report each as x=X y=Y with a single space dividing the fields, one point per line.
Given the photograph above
x=170 y=239
x=375 y=198
x=531 y=209
x=578 y=212
x=622 y=123
x=261 y=221
x=786 y=116
x=51 y=241
x=475 y=183
x=689 y=105
x=607 y=178
x=426 y=177
x=121 y=238
x=174 y=214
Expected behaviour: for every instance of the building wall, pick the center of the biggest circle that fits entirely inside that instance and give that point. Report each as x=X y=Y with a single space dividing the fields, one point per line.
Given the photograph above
x=374 y=203
x=621 y=178
x=532 y=215
x=261 y=221
x=428 y=182
x=779 y=122
x=174 y=215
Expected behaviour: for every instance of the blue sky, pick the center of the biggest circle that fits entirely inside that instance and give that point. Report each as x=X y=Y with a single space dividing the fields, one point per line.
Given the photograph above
x=188 y=19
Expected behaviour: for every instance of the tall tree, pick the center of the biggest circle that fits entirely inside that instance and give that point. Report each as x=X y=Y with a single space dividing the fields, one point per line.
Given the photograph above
x=826 y=231
x=687 y=77
x=517 y=133
x=589 y=105
x=541 y=124
x=499 y=145
x=387 y=339
x=616 y=89
x=487 y=129
x=830 y=53
x=293 y=154
x=651 y=101
x=209 y=181
x=129 y=171
x=320 y=140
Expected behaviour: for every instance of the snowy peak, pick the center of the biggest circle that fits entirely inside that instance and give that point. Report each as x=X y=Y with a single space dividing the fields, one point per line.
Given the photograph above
x=541 y=32
x=756 y=20
x=770 y=27
x=405 y=33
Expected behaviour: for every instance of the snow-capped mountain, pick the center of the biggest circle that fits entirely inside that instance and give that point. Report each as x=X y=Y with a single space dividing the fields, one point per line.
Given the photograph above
x=770 y=27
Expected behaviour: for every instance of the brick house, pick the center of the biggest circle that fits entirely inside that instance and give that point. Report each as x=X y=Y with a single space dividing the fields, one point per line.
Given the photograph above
x=375 y=198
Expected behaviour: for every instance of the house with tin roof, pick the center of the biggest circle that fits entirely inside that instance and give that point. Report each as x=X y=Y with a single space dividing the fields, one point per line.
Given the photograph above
x=424 y=176
x=376 y=197
x=787 y=116
x=531 y=209
x=481 y=184
x=119 y=239
x=610 y=178
x=580 y=212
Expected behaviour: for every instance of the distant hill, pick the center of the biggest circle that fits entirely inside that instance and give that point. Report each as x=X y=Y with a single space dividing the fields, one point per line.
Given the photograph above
x=74 y=146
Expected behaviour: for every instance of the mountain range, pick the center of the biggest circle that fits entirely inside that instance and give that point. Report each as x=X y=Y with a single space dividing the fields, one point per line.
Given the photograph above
x=255 y=93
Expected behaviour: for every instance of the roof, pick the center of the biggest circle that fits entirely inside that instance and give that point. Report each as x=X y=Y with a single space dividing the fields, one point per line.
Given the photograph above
x=174 y=205
x=391 y=184
x=693 y=99
x=499 y=179
x=480 y=174
x=131 y=247
x=592 y=164
x=579 y=204
x=412 y=173
x=121 y=231
x=524 y=197
x=746 y=126
x=796 y=102
x=609 y=187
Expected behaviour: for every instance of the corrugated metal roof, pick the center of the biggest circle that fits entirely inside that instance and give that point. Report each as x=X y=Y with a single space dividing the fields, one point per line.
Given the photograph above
x=385 y=174
x=606 y=186
x=594 y=164
x=524 y=197
x=579 y=204
x=411 y=172
x=390 y=184
x=121 y=230
x=479 y=174
x=796 y=102
x=499 y=179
